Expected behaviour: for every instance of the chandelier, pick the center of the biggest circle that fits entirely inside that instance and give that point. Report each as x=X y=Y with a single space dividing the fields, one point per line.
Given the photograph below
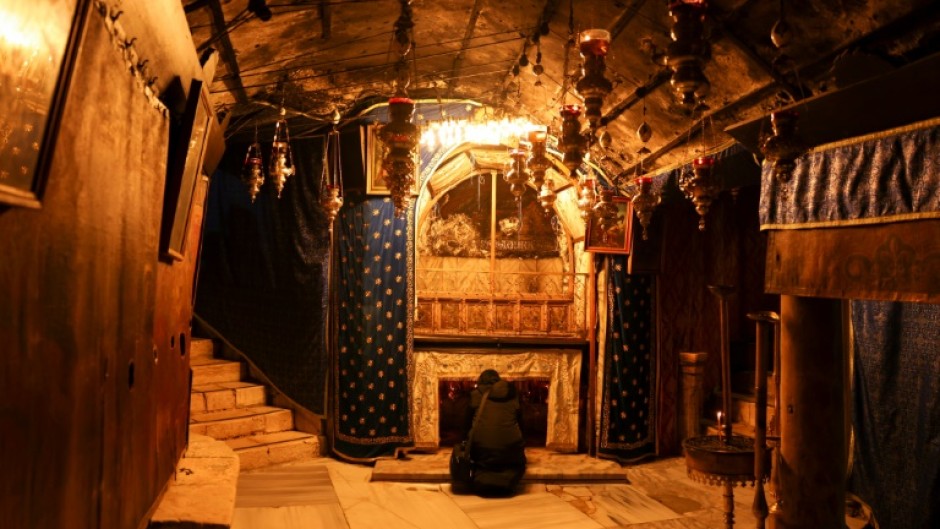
x=331 y=180
x=452 y=132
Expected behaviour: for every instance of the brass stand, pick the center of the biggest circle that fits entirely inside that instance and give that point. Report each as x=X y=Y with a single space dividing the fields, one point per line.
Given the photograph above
x=726 y=459
x=764 y=320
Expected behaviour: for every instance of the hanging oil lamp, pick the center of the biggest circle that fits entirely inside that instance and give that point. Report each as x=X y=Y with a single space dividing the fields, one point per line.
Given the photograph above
x=687 y=51
x=644 y=202
x=587 y=196
x=400 y=137
x=572 y=142
x=538 y=164
x=331 y=181
x=700 y=187
x=593 y=86
x=605 y=211
x=547 y=196
x=783 y=147
x=253 y=169
x=517 y=176
x=281 y=165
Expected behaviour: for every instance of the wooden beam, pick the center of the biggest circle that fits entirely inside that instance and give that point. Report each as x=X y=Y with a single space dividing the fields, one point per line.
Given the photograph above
x=548 y=12
x=796 y=92
x=464 y=44
x=326 y=20
x=624 y=19
x=903 y=96
x=233 y=81
x=746 y=100
x=638 y=94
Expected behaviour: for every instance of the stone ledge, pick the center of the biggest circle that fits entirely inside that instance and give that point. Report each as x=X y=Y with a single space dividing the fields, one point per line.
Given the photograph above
x=201 y=494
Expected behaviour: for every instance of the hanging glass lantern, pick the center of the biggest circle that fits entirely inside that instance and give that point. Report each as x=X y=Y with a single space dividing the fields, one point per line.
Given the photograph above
x=281 y=165
x=400 y=137
x=253 y=170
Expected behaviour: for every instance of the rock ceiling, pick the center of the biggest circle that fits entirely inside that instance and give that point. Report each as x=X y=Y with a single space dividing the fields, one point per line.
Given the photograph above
x=322 y=57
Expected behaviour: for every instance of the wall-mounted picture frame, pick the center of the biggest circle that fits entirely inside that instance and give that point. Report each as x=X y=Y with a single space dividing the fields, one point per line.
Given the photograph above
x=37 y=54
x=184 y=168
x=618 y=239
x=374 y=149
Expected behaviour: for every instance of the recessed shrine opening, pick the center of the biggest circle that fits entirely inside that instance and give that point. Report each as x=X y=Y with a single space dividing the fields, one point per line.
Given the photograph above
x=454 y=400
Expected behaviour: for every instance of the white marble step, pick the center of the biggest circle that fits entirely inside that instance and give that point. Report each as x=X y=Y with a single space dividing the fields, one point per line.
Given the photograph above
x=215 y=370
x=256 y=451
x=226 y=395
x=239 y=422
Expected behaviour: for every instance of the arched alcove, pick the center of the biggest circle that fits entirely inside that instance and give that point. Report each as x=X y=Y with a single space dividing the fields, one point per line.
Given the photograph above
x=489 y=263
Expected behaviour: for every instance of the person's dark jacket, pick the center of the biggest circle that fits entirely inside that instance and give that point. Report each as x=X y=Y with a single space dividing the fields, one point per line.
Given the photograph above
x=498 y=427
x=498 y=447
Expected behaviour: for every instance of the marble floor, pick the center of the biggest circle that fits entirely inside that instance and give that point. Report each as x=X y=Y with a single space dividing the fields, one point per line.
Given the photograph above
x=327 y=493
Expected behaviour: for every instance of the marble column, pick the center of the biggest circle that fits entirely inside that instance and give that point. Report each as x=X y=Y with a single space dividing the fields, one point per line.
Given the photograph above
x=811 y=487
x=693 y=393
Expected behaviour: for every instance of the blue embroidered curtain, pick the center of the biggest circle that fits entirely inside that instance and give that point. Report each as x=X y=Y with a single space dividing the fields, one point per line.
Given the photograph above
x=628 y=385
x=888 y=178
x=374 y=320
x=897 y=412
x=374 y=287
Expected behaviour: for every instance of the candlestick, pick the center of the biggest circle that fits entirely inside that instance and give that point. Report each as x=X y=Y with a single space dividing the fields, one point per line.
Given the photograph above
x=721 y=429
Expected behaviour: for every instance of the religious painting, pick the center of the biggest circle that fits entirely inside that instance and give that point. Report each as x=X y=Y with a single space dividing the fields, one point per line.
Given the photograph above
x=374 y=149
x=618 y=238
x=38 y=43
x=184 y=168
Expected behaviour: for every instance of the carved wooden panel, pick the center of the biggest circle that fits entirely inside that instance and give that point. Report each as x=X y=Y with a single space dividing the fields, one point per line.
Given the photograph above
x=897 y=262
x=450 y=315
x=478 y=316
x=530 y=318
x=505 y=317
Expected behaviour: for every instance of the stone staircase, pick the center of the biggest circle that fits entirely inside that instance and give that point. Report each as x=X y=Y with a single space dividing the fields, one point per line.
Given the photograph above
x=227 y=407
x=744 y=411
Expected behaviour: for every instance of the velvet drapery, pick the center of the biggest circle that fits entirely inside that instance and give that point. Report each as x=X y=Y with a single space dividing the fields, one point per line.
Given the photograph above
x=628 y=383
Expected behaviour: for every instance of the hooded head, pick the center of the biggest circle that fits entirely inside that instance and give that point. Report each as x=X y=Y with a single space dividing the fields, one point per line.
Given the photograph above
x=488 y=377
x=489 y=381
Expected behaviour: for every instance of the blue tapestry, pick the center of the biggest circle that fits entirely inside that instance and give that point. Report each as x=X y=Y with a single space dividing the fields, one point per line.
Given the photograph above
x=896 y=415
x=627 y=428
x=887 y=178
x=374 y=321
